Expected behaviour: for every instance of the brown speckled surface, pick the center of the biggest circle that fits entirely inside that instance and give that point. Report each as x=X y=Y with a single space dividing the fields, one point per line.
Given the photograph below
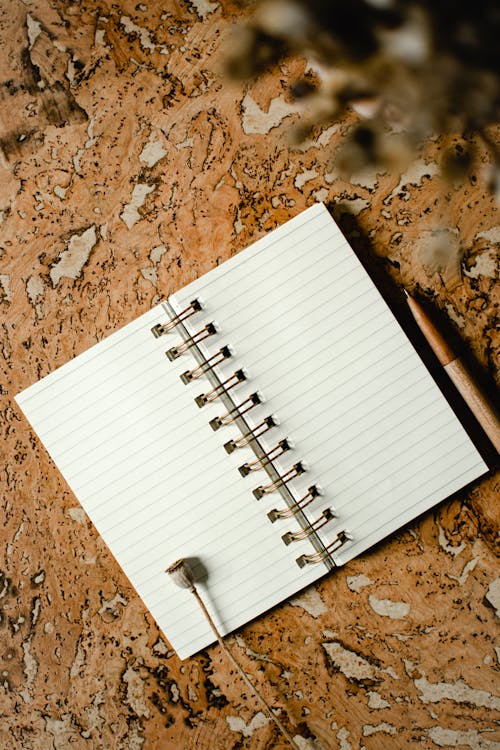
x=129 y=167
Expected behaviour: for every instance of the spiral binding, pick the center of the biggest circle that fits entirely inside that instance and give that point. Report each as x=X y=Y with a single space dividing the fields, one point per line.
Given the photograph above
x=259 y=463
x=297 y=536
x=267 y=424
x=226 y=385
x=249 y=438
x=162 y=328
x=264 y=489
x=232 y=415
x=311 y=495
x=208 y=364
x=341 y=538
x=194 y=340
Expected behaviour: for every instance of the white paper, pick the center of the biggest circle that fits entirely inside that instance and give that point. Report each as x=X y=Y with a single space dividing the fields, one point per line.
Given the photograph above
x=318 y=342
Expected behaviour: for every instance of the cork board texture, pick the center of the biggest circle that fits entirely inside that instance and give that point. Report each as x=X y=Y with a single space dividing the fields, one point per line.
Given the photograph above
x=130 y=166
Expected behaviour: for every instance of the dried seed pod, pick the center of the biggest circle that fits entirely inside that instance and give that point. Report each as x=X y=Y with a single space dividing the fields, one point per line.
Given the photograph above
x=181 y=574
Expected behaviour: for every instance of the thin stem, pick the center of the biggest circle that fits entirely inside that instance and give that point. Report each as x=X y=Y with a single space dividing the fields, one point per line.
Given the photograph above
x=241 y=671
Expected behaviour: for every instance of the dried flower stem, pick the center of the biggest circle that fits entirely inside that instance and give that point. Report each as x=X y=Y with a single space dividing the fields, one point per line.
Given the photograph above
x=182 y=575
x=241 y=671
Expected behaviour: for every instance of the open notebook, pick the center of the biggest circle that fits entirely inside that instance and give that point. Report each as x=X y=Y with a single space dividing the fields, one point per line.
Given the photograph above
x=316 y=430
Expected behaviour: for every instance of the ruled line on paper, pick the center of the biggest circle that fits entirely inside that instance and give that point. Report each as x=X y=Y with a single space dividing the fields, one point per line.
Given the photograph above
x=461 y=477
x=104 y=359
x=229 y=591
x=267 y=345
x=453 y=457
x=329 y=305
x=371 y=496
x=86 y=358
x=387 y=475
x=121 y=336
x=328 y=353
x=279 y=237
x=276 y=279
x=138 y=377
x=173 y=414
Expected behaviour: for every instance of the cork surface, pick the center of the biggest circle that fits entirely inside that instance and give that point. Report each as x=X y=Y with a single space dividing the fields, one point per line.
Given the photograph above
x=129 y=167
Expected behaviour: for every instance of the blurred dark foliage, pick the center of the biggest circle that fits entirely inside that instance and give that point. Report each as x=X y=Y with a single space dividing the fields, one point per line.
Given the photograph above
x=411 y=69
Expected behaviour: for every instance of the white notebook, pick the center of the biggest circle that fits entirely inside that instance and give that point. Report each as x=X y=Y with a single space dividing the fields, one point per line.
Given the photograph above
x=349 y=436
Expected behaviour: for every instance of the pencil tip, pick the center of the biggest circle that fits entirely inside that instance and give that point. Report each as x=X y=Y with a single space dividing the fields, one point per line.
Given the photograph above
x=405 y=292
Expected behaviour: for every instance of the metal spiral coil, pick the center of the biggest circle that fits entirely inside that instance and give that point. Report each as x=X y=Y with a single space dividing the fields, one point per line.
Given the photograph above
x=226 y=385
x=267 y=424
x=317 y=557
x=204 y=367
x=311 y=495
x=297 y=536
x=232 y=415
x=264 y=460
x=161 y=328
x=265 y=489
x=267 y=458
x=194 y=340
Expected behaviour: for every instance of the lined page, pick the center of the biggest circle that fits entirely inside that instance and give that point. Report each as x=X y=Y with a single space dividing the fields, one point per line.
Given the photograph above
x=350 y=392
x=157 y=484
x=332 y=365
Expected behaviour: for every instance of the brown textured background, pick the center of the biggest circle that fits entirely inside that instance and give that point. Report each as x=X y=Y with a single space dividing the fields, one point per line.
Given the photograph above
x=128 y=168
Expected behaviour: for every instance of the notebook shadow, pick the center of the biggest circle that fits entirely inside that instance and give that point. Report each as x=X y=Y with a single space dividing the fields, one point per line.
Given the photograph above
x=201 y=577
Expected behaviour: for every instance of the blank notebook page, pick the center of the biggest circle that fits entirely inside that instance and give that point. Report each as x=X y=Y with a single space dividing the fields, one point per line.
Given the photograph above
x=157 y=484
x=349 y=390
x=320 y=345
